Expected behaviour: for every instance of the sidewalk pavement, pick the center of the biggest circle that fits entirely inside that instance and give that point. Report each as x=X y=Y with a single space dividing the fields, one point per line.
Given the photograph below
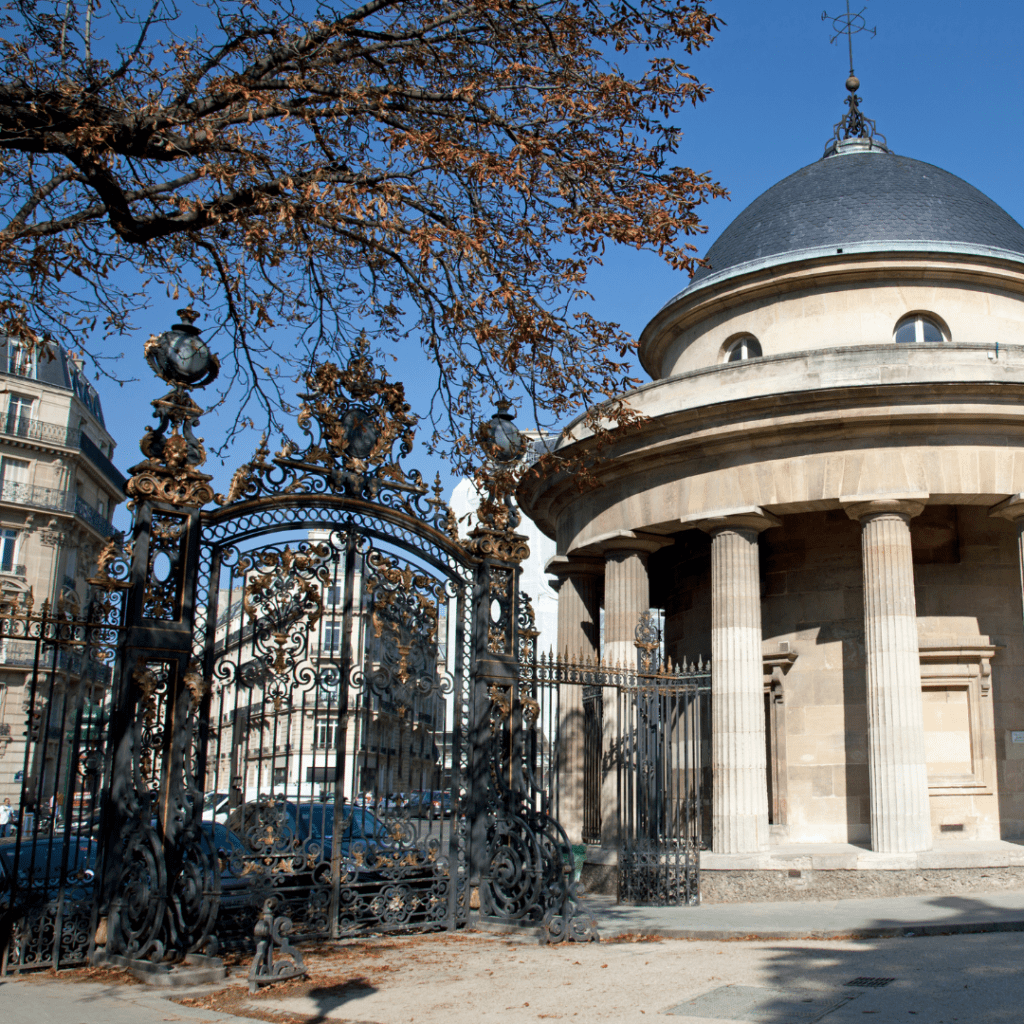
x=48 y=1000
x=945 y=977
x=902 y=915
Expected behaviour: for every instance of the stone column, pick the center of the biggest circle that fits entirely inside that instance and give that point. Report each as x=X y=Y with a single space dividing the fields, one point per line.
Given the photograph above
x=739 y=810
x=1013 y=510
x=579 y=586
x=626 y=597
x=579 y=622
x=897 y=771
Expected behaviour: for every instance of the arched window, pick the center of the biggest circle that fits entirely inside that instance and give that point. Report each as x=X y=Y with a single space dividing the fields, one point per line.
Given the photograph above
x=917 y=328
x=747 y=347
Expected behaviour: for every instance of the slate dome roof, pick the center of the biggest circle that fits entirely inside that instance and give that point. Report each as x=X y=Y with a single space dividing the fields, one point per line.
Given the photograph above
x=871 y=201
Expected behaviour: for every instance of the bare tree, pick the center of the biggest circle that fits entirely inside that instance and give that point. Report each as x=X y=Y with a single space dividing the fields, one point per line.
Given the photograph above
x=440 y=171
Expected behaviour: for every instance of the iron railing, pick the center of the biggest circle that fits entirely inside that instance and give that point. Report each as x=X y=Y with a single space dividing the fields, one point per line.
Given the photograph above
x=15 y=425
x=98 y=522
x=92 y=452
x=51 y=866
x=39 y=430
x=656 y=757
x=54 y=498
x=23 y=653
x=58 y=501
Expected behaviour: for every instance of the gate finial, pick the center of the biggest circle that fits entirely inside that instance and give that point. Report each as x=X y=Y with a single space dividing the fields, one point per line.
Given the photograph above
x=169 y=472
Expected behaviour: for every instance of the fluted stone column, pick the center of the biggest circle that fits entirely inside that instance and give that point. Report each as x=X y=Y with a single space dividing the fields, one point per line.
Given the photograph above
x=627 y=596
x=897 y=770
x=580 y=581
x=739 y=812
x=579 y=622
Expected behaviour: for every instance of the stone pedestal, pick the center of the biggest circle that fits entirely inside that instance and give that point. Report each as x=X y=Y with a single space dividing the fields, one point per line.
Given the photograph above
x=897 y=770
x=740 y=800
x=579 y=621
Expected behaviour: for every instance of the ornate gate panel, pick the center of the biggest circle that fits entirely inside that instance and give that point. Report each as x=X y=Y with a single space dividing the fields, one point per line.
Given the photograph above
x=318 y=723
x=664 y=714
x=335 y=758
x=335 y=639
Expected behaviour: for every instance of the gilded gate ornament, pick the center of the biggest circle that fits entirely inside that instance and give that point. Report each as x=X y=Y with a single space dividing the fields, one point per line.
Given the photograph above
x=170 y=471
x=357 y=427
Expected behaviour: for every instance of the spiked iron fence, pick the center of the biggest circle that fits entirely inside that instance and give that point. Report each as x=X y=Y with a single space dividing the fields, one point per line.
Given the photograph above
x=633 y=759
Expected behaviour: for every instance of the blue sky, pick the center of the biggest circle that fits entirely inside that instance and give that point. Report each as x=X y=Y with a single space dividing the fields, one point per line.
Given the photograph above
x=944 y=80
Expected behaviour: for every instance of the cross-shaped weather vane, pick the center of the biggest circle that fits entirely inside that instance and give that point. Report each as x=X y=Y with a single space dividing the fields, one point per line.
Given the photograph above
x=850 y=23
x=854 y=125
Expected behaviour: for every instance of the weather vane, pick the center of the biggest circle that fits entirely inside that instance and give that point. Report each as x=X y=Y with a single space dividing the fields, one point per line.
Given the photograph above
x=854 y=125
x=850 y=24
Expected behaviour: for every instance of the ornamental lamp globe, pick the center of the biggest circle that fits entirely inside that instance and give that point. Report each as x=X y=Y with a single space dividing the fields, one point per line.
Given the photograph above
x=180 y=357
x=502 y=440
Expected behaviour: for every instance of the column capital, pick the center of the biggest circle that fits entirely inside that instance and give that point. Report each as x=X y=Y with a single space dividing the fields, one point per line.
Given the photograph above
x=1011 y=508
x=574 y=565
x=624 y=541
x=753 y=518
x=895 y=506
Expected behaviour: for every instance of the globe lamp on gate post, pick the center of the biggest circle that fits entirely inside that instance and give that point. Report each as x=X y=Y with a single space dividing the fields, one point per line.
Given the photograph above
x=180 y=357
x=500 y=437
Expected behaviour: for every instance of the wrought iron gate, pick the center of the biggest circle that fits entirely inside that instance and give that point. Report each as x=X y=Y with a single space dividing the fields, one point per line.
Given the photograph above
x=644 y=747
x=664 y=776
x=317 y=724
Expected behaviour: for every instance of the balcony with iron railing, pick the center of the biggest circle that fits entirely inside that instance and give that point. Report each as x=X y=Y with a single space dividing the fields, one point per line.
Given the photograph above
x=29 y=429
x=92 y=452
x=56 y=500
x=91 y=516
x=30 y=653
x=14 y=424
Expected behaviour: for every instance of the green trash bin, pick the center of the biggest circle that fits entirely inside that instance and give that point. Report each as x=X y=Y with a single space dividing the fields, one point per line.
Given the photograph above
x=579 y=857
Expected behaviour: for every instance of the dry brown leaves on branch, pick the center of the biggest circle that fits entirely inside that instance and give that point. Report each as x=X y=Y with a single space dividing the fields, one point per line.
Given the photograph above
x=440 y=172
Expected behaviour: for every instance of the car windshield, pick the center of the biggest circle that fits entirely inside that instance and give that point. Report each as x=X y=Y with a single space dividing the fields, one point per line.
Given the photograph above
x=364 y=824
x=316 y=821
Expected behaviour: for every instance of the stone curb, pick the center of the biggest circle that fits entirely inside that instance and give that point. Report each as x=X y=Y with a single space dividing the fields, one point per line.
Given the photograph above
x=753 y=935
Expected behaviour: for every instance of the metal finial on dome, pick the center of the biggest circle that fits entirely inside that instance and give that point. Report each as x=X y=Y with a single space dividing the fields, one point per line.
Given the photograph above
x=853 y=125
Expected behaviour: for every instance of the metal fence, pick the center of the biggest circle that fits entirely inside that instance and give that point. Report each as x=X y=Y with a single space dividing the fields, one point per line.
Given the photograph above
x=48 y=869
x=643 y=755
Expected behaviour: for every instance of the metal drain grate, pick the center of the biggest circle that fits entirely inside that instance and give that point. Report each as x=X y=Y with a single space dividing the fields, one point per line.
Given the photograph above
x=869 y=982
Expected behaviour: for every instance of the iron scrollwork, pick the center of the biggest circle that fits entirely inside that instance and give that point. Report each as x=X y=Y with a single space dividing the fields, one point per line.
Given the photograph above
x=528 y=880
x=358 y=427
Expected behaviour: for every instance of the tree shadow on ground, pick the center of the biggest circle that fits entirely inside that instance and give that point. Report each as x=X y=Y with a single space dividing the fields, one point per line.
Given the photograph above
x=949 y=978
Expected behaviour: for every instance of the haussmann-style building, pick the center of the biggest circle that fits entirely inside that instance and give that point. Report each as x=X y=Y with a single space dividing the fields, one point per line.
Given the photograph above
x=827 y=497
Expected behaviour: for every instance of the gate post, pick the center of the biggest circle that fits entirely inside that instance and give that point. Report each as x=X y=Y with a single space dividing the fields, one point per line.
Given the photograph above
x=495 y=726
x=519 y=855
x=158 y=893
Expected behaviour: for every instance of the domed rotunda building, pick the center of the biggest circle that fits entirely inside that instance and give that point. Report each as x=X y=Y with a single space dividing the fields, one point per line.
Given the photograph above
x=827 y=495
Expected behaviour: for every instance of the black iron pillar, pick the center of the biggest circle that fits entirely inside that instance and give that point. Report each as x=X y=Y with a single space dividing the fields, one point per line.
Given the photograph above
x=520 y=858
x=159 y=884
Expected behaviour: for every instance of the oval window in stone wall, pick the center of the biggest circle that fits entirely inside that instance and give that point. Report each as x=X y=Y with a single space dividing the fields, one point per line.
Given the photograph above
x=746 y=347
x=917 y=328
